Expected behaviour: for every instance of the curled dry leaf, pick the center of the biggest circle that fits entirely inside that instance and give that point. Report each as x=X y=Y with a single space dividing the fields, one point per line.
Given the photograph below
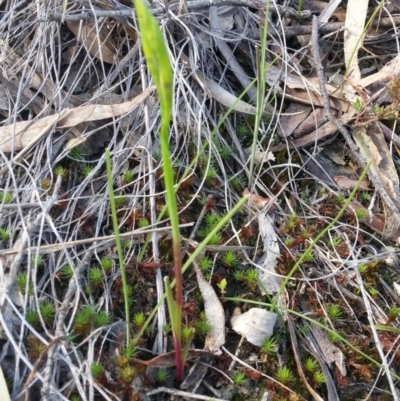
x=259 y=155
x=258 y=201
x=15 y=137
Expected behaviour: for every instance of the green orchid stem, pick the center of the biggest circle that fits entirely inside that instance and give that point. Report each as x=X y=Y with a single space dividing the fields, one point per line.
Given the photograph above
x=261 y=73
x=319 y=236
x=190 y=260
x=118 y=242
x=159 y=65
x=175 y=315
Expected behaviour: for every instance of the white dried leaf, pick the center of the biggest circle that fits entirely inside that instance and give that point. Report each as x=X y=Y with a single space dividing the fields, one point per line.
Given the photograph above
x=268 y=261
x=255 y=325
x=4 y=394
x=260 y=156
x=374 y=148
x=396 y=288
x=214 y=315
x=330 y=352
x=356 y=15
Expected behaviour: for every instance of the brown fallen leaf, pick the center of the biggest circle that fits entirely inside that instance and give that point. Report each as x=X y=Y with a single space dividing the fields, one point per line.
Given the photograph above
x=97 y=41
x=295 y=115
x=258 y=201
x=361 y=369
x=347 y=183
x=17 y=136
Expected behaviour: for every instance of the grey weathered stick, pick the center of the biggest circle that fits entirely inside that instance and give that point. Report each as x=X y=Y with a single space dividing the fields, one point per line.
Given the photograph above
x=191 y=5
x=392 y=204
x=228 y=55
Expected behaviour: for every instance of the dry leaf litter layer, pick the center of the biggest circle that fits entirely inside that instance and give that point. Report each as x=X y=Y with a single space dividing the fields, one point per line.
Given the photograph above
x=292 y=299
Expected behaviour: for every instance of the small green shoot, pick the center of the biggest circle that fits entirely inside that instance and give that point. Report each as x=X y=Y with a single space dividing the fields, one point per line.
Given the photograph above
x=38 y=261
x=238 y=274
x=32 y=317
x=269 y=346
x=284 y=375
x=48 y=311
x=130 y=351
x=216 y=239
x=229 y=259
x=6 y=197
x=127 y=374
x=373 y=291
x=87 y=170
x=357 y=105
x=310 y=365
x=129 y=176
x=334 y=312
x=239 y=378
x=60 y=170
x=222 y=286
x=366 y=196
x=139 y=319
x=334 y=337
x=120 y=201
x=318 y=378
x=101 y=319
x=4 y=235
x=308 y=257
x=187 y=332
x=66 y=272
x=361 y=214
x=339 y=198
x=202 y=328
x=22 y=281
x=393 y=314
x=76 y=153
x=362 y=268
x=96 y=277
x=250 y=277
x=97 y=370
x=162 y=375
x=106 y=264
x=82 y=324
x=205 y=264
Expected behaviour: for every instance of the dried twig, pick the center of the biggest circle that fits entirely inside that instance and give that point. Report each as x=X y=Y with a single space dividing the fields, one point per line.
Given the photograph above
x=191 y=6
x=180 y=393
